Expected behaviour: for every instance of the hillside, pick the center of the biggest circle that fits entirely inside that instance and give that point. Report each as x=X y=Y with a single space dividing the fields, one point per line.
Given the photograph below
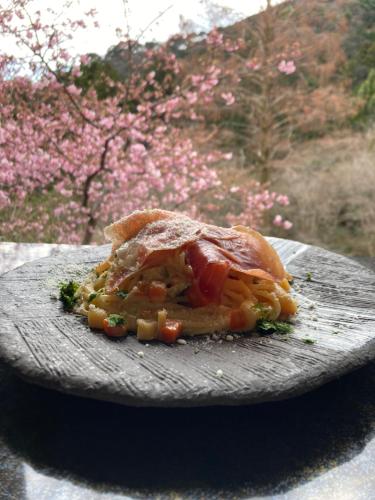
x=320 y=36
x=329 y=182
x=331 y=42
x=322 y=154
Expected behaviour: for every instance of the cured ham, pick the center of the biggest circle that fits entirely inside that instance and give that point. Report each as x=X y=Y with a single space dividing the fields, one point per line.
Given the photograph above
x=147 y=238
x=210 y=268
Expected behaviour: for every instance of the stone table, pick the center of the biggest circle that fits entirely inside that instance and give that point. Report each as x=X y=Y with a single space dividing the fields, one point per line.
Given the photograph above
x=55 y=446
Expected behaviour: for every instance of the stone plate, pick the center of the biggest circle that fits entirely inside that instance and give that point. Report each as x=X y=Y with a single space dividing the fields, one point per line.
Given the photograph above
x=55 y=349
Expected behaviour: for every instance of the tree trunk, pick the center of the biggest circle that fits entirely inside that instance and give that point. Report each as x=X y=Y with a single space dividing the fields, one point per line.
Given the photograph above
x=265 y=173
x=89 y=231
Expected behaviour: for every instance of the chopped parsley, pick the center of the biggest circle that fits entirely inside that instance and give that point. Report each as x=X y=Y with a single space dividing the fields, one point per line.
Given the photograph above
x=309 y=341
x=115 y=320
x=308 y=276
x=266 y=327
x=261 y=309
x=92 y=296
x=68 y=294
x=122 y=294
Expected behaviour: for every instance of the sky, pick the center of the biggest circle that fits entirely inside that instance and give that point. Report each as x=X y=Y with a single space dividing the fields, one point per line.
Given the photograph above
x=139 y=15
x=142 y=12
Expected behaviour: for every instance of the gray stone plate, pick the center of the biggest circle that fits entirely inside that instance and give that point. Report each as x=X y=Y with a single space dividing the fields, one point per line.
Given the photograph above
x=55 y=349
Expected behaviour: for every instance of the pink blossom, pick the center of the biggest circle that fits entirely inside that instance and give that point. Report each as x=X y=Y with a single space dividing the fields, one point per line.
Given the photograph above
x=196 y=79
x=84 y=59
x=64 y=55
x=231 y=46
x=278 y=220
x=89 y=114
x=253 y=64
x=215 y=38
x=191 y=97
x=228 y=98
x=107 y=122
x=286 y=67
x=150 y=76
x=282 y=200
x=73 y=90
x=137 y=150
x=4 y=200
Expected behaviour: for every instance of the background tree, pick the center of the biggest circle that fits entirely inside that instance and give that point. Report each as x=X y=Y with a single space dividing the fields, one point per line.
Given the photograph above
x=257 y=95
x=82 y=145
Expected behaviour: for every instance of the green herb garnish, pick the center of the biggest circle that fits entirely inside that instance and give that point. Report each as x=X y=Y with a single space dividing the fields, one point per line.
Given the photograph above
x=308 y=276
x=309 y=341
x=92 y=296
x=266 y=327
x=261 y=309
x=68 y=294
x=122 y=294
x=115 y=320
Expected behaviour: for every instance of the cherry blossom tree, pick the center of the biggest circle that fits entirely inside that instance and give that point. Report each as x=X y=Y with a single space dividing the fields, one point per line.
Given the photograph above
x=71 y=161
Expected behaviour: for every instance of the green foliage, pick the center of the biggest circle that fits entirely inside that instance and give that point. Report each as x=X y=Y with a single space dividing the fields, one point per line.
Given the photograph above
x=367 y=92
x=359 y=44
x=118 y=65
x=368 y=7
x=98 y=74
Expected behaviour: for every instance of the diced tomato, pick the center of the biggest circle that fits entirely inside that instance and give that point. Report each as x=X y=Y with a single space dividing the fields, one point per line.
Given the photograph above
x=210 y=271
x=114 y=331
x=157 y=291
x=237 y=319
x=170 y=332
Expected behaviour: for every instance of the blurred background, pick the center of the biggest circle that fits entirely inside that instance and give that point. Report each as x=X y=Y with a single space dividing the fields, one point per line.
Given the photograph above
x=241 y=112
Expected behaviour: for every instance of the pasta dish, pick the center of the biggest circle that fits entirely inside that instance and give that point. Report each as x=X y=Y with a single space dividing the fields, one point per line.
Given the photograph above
x=169 y=276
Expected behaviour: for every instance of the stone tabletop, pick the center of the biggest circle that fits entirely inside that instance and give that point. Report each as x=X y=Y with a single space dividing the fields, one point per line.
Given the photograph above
x=54 y=446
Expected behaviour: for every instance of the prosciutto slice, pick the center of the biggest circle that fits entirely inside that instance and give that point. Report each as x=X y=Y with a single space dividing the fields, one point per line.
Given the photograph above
x=145 y=239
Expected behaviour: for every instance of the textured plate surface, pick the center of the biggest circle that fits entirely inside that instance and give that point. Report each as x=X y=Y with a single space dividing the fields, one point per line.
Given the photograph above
x=47 y=346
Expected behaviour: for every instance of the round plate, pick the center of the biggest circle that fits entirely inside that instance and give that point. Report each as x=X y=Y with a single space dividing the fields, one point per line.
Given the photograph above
x=333 y=334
